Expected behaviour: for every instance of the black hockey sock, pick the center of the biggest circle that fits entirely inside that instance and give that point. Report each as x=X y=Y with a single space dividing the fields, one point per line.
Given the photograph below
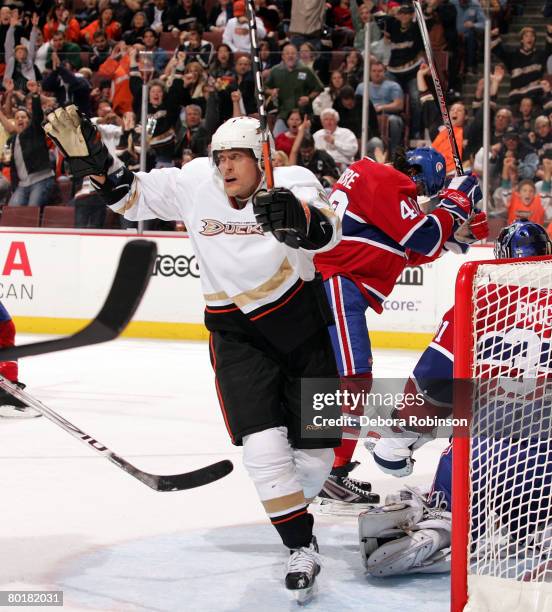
x=294 y=528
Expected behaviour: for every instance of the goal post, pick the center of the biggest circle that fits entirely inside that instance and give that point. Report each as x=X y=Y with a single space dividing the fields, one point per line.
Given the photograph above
x=502 y=468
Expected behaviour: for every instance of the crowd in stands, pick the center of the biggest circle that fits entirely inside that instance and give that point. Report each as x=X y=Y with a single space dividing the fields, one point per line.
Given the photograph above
x=90 y=53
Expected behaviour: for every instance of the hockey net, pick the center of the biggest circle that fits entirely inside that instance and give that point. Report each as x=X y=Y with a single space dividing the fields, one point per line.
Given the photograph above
x=502 y=470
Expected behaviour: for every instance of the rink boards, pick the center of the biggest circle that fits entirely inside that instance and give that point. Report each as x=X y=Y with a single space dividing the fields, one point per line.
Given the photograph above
x=55 y=281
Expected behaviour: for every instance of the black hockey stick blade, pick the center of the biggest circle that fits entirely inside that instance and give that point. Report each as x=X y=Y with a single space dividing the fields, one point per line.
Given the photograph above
x=128 y=287
x=171 y=482
x=177 y=482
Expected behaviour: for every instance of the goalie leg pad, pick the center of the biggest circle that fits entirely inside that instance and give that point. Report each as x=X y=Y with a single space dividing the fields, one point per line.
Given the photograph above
x=375 y=524
x=419 y=551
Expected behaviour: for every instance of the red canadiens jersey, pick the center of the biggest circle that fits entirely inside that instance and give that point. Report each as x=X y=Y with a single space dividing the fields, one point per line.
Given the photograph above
x=514 y=331
x=381 y=223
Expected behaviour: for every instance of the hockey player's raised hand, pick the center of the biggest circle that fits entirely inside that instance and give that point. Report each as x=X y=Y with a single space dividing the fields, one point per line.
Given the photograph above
x=79 y=141
x=461 y=196
x=280 y=212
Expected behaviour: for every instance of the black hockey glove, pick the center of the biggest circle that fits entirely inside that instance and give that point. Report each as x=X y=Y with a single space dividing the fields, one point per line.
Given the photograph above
x=280 y=212
x=79 y=140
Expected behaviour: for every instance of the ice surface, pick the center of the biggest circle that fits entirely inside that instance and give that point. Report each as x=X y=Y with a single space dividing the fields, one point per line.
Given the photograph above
x=72 y=521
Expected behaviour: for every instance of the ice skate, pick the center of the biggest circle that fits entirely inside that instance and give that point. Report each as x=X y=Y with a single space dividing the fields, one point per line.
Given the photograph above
x=342 y=495
x=342 y=472
x=12 y=408
x=303 y=567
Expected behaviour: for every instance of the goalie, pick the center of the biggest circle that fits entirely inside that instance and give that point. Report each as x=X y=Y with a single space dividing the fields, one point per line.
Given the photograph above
x=411 y=533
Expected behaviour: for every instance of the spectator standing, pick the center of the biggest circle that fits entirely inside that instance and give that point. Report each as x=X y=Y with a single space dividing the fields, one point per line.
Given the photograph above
x=158 y=16
x=526 y=64
x=470 y=20
x=284 y=141
x=163 y=110
x=294 y=85
x=101 y=49
x=20 y=65
x=320 y=163
x=67 y=51
x=138 y=26
x=406 y=56
x=196 y=136
x=68 y=87
x=197 y=49
x=185 y=14
x=222 y=64
x=236 y=32
x=527 y=160
x=32 y=177
x=116 y=69
x=541 y=139
x=160 y=56
x=105 y=22
x=61 y=19
x=339 y=142
x=307 y=22
x=388 y=99
x=88 y=13
x=352 y=68
x=219 y=16
x=327 y=97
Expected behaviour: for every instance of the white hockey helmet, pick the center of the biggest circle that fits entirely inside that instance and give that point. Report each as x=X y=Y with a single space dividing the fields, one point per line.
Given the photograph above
x=239 y=133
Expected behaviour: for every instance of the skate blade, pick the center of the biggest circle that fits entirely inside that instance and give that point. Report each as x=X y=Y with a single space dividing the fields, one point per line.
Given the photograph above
x=15 y=412
x=303 y=597
x=335 y=507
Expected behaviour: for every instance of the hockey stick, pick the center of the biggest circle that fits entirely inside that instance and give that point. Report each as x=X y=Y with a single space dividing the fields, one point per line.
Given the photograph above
x=438 y=89
x=259 y=93
x=128 y=287
x=173 y=482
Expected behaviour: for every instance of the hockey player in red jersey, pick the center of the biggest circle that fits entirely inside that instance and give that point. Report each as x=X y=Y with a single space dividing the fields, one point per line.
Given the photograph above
x=9 y=406
x=425 y=548
x=384 y=229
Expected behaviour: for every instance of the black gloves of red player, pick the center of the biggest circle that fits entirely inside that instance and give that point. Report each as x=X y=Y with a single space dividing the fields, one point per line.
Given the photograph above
x=280 y=212
x=79 y=141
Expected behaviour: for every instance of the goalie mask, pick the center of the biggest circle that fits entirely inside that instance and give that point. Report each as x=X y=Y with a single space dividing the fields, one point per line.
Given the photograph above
x=522 y=239
x=431 y=169
x=239 y=133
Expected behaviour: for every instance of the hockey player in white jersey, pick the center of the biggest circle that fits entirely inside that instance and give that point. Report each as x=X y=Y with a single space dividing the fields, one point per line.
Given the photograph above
x=265 y=307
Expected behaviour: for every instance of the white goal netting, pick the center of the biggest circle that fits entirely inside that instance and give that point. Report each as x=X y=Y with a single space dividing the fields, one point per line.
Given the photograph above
x=510 y=544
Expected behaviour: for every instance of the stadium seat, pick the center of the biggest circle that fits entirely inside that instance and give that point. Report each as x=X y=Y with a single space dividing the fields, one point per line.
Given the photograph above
x=167 y=41
x=338 y=57
x=495 y=225
x=65 y=190
x=20 y=216
x=213 y=37
x=58 y=216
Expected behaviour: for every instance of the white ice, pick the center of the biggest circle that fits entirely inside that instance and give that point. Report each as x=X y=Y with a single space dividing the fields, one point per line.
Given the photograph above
x=71 y=521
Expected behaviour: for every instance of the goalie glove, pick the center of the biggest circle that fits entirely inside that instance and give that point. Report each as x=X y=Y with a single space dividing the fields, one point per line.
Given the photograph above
x=79 y=141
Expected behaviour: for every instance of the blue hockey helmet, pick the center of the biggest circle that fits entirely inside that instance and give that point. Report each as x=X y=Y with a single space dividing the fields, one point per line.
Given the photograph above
x=522 y=239
x=431 y=169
